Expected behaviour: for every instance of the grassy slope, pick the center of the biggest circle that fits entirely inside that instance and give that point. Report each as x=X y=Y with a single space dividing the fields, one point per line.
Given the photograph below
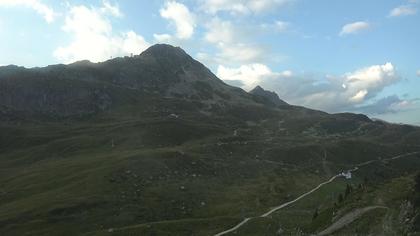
x=169 y=176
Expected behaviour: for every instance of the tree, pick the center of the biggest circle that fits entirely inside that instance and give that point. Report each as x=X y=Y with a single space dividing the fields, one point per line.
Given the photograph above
x=349 y=189
x=365 y=181
x=340 y=198
x=417 y=184
x=316 y=213
x=417 y=194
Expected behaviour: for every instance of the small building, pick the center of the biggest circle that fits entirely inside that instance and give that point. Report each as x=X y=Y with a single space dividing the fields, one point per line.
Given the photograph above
x=346 y=175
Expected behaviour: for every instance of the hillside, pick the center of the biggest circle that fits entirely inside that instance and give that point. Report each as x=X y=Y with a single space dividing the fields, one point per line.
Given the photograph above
x=156 y=144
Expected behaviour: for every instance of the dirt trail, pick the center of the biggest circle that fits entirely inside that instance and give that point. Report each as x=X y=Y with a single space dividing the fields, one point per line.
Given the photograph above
x=234 y=228
x=347 y=219
x=276 y=208
x=311 y=191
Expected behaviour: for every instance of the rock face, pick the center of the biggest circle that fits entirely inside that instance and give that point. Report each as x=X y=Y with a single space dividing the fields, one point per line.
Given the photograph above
x=85 y=88
x=269 y=97
x=33 y=91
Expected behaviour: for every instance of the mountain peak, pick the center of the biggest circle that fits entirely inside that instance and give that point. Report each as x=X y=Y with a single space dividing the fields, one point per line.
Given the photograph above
x=268 y=96
x=165 y=50
x=257 y=89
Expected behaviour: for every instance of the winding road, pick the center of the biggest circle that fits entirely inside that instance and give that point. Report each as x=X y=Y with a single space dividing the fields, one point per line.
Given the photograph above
x=235 y=228
x=309 y=192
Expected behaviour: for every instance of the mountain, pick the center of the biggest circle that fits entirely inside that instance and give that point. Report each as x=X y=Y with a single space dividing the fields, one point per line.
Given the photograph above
x=156 y=144
x=269 y=97
x=85 y=88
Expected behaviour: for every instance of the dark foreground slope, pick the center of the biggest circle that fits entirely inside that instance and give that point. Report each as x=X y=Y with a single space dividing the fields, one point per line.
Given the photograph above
x=157 y=145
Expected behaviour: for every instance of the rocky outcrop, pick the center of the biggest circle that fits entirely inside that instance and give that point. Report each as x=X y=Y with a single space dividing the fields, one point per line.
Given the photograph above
x=268 y=97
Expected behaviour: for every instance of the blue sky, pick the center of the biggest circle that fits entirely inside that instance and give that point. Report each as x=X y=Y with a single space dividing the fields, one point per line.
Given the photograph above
x=357 y=56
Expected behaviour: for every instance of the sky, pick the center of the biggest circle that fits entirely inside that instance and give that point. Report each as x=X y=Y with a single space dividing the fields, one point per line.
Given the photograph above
x=357 y=56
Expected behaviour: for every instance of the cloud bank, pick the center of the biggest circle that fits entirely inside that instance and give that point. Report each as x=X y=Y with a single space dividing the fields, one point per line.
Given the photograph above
x=181 y=17
x=44 y=10
x=403 y=10
x=93 y=37
x=242 y=6
x=348 y=92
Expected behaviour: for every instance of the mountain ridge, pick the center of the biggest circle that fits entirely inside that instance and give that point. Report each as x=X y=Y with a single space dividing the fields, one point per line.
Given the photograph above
x=162 y=69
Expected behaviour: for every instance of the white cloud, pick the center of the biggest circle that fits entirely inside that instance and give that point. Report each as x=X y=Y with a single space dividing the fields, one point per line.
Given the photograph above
x=181 y=16
x=354 y=28
x=370 y=78
x=113 y=10
x=241 y=53
x=131 y=43
x=401 y=105
x=251 y=75
x=418 y=73
x=163 y=38
x=360 y=96
x=282 y=26
x=228 y=39
x=220 y=32
x=278 y=26
x=403 y=10
x=389 y=104
x=362 y=84
x=44 y=10
x=94 y=39
x=234 y=40
x=286 y=74
x=242 y=6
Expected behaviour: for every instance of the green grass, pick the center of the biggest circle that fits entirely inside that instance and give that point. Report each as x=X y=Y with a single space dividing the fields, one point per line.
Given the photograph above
x=176 y=227
x=186 y=175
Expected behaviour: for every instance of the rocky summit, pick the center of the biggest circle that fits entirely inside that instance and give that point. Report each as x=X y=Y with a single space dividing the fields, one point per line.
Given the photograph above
x=270 y=97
